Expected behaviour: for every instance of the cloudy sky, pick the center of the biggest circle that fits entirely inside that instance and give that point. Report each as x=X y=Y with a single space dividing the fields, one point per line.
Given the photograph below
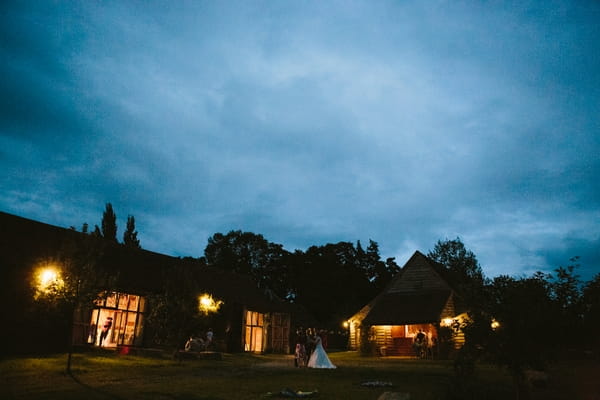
x=310 y=122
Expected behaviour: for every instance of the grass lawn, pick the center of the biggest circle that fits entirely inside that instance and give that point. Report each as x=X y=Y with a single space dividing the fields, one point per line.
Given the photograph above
x=244 y=376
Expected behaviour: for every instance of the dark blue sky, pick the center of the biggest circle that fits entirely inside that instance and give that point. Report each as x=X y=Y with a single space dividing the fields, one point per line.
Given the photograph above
x=310 y=122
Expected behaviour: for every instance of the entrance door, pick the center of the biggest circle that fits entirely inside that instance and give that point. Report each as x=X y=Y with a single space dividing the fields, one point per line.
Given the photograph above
x=280 y=333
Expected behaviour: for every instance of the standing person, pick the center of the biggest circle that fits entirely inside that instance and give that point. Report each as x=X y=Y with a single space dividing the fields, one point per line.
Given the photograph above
x=323 y=336
x=300 y=353
x=319 y=358
x=209 y=338
x=420 y=344
x=309 y=345
x=105 y=328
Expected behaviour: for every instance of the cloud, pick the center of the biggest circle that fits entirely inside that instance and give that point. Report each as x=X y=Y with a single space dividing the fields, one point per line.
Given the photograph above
x=403 y=123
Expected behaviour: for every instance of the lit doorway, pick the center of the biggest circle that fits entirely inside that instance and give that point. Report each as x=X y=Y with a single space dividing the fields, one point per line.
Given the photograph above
x=254 y=332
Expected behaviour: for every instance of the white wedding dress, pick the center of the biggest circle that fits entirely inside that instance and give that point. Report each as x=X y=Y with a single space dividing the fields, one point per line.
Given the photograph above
x=318 y=358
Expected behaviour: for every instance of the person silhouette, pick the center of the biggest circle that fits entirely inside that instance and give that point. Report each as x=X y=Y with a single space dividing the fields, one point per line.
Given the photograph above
x=105 y=328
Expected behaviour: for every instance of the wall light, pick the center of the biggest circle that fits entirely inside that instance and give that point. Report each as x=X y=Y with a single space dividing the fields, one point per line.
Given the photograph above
x=207 y=305
x=48 y=279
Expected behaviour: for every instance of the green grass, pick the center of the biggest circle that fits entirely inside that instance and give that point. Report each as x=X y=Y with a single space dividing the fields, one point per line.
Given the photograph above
x=239 y=376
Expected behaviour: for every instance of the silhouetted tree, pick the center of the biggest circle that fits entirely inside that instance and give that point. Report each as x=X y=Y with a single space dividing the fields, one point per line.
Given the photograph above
x=78 y=281
x=460 y=267
x=328 y=282
x=524 y=338
x=130 y=235
x=567 y=297
x=174 y=313
x=380 y=273
x=591 y=315
x=97 y=232
x=251 y=254
x=109 y=223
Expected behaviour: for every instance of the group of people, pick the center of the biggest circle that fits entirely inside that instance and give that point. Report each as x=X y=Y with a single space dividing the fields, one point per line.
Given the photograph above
x=310 y=349
x=198 y=343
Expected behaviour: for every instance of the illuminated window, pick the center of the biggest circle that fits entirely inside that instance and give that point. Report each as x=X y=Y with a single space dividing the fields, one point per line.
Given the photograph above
x=254 y=331
x=117 y=320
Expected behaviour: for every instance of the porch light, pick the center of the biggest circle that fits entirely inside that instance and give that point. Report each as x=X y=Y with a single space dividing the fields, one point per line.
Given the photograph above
x=346 y=324
x=447 y=322
x=207 y=305
x=495 y=324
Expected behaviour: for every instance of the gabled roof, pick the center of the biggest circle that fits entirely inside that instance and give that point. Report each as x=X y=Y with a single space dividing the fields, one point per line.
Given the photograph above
x=417 y=275
x=417 y=294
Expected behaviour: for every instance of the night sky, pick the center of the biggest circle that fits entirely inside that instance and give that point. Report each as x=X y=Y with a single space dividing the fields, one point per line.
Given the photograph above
x=310 y=122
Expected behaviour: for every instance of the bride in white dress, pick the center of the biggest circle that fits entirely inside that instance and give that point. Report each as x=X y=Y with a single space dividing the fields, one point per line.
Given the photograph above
x=318 y=358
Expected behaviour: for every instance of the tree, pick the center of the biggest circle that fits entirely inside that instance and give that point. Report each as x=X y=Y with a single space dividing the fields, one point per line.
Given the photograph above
x=327 y=281
x=96 y=232
x=251 y=254
x=130 y=235
x=461 y=267
x=109 y=224
x=591 y=314
x=567 y=298
x=71 y=280
x=525 y=337
x=174 y=313
x=380 y=273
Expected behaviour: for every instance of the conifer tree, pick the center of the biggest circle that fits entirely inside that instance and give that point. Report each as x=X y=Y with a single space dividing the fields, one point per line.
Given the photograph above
x=130 y=236
x=109 y=224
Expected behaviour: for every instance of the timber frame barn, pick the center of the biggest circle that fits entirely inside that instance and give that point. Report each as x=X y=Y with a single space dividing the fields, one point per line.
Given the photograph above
x=417 y=299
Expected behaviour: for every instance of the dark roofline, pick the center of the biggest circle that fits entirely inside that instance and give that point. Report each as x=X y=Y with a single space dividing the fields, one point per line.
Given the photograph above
x=436 y=267
x=24 y=241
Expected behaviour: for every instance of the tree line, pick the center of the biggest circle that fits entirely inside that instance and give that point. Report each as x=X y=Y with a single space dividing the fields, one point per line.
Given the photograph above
x=108 y=228
x=331 y=281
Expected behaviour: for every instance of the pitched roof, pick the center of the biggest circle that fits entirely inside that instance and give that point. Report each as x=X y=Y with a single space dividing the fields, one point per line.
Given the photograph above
x=418 y=274
x=417 y=294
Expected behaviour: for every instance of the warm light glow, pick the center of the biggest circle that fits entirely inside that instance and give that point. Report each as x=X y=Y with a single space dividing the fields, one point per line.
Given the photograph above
x=48 y=279
x=346 y=324
x=447 y=322
x=47 y=276
x=495 y=324
x=207 y=305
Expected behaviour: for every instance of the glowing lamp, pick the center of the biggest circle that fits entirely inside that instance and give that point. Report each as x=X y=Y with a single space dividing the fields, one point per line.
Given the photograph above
x=48 y=280
x=346 y=324
x=47 y=276
x=495 y=324
x=447 y=322
x=207 y=305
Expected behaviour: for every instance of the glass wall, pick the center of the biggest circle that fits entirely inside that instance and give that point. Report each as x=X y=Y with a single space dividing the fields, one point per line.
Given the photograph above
x=254 y=331
x=117 y=320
